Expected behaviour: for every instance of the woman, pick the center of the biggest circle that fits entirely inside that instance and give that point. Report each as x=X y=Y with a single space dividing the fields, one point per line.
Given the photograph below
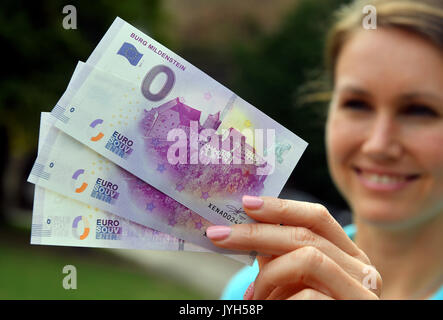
x=384 y=136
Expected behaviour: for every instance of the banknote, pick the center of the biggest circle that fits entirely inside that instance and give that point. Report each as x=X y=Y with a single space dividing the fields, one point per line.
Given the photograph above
x=82 y=174
x=166 y=214
x=160 y=118
x=59 y=220
x=104 y=185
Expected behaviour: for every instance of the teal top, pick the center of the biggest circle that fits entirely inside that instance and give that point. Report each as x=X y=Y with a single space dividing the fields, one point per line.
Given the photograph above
x=242 y=279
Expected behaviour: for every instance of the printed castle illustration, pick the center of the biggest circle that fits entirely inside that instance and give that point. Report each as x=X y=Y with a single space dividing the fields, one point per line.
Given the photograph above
x=175 y=114
x=227 y=175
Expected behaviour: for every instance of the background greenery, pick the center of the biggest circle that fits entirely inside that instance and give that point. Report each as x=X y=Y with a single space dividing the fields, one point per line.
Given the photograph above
x=268 y=52
x=36 y=273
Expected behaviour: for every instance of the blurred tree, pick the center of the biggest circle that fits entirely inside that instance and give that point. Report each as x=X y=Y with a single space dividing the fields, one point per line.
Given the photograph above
x=270 y=74
x=4 y=145
x=41 y=56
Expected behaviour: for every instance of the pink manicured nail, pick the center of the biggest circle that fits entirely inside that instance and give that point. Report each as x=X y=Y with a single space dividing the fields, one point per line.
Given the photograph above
x=251 y=202
x=249 y=293
x=218 y=232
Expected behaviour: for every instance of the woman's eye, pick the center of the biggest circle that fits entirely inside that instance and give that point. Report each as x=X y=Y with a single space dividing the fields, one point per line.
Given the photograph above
x=356 y=104
x=420 y=110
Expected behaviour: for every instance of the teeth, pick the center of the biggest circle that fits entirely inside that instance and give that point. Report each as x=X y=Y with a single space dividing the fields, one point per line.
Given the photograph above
x=384 y=179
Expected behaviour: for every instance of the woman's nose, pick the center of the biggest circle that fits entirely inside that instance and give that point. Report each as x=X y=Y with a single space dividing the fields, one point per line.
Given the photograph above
x=382 y=141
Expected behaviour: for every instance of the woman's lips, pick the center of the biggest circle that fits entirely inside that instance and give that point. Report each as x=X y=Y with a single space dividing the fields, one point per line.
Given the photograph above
x=379 y=180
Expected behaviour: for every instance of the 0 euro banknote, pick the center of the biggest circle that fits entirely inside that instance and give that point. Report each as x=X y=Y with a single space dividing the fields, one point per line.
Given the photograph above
x=59 y=220
x=160 y=118
x=82 y=174
x=100 y=183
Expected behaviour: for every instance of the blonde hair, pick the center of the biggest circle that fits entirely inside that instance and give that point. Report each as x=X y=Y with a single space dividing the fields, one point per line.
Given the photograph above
x=422 y=17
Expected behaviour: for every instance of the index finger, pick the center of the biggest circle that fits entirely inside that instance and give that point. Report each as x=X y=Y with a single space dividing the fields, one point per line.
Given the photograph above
x=309 y=215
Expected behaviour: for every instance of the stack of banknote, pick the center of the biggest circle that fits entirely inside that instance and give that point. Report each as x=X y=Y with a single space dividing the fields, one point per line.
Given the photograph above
x=145 y=151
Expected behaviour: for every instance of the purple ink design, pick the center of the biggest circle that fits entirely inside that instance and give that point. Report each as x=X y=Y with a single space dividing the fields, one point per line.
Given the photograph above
x=167 y=209
x=172 y=221
x=222 y=179
x=150 y=206
x=77 y=173
x=161 y=168
x=155 y=142
x=198 y=225
x=95 y=123
x=205 y=195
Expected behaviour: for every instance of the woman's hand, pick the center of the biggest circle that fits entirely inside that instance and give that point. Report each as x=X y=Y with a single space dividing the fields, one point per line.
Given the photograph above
x=309 y=256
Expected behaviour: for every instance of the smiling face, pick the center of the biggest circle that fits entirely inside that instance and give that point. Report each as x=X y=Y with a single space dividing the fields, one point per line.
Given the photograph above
x=385 y=127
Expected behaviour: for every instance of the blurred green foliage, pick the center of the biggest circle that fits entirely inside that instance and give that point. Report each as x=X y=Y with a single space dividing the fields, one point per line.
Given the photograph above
x=41 y=54
x=36 y=272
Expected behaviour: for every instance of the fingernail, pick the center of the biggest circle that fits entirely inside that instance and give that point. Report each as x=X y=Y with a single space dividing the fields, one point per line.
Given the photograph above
x=249 y=293
x=251 y=202
x=218 y=232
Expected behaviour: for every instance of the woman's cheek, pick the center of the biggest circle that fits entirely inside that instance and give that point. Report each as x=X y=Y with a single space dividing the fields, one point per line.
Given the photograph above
x=429 y=153
x=343 y=138
x=337 y=149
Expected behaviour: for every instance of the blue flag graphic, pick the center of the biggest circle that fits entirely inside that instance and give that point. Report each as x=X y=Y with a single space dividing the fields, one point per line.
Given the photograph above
x=130 y=52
